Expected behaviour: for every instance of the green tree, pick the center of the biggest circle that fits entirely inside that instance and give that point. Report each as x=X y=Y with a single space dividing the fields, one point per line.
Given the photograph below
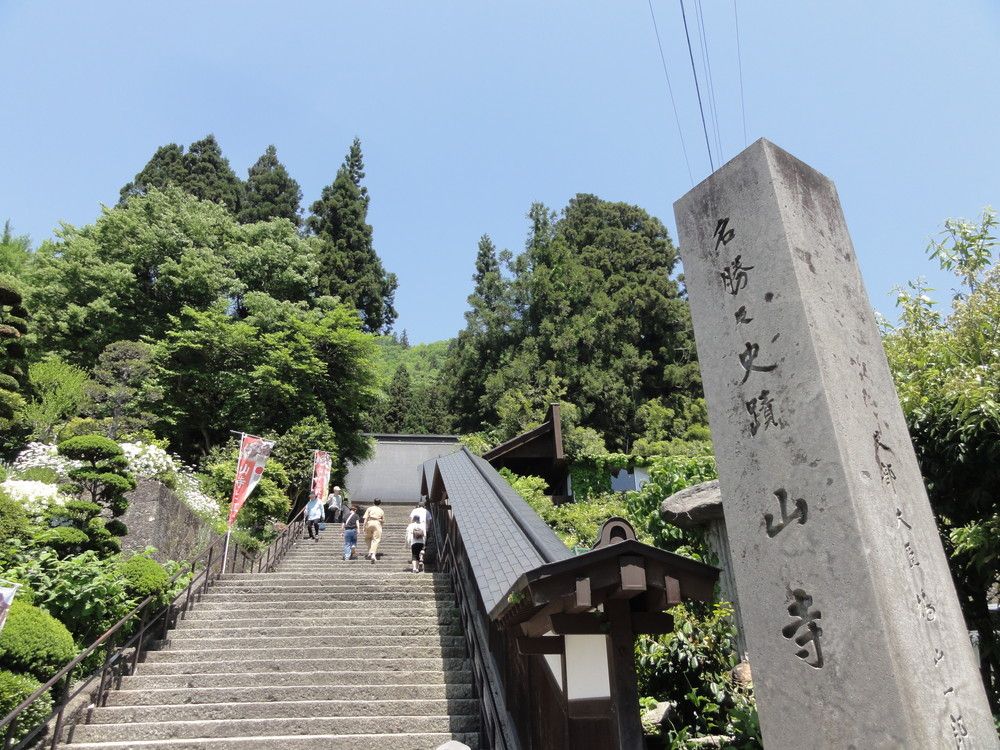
x=351 y=269
x=295 y=449
x=165 y=168
x=15 y=251
x=947 y=373
x=13 y=327
x=399 y=412
x=124 y=388
x=355 y=164
x=270 y=192
x=122 y=277
x=58 y=392
x=279 y=365
x=209 y=175
x=103 y=475
x=590 y=315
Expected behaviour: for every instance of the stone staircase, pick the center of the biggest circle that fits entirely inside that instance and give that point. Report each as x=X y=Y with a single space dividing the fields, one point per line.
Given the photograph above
x=321 y=653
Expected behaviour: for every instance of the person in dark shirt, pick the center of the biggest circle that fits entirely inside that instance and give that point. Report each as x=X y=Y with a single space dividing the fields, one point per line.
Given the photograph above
x=351 y=533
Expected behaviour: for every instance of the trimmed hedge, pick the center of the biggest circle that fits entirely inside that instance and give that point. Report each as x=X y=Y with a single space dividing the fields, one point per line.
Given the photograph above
x=35 y=642
x=14 y=688
x=144 y=577
x=13 y=519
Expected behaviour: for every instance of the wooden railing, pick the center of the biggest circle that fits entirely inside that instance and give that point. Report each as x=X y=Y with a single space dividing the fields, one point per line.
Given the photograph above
x=127 y=642
x=496 y=724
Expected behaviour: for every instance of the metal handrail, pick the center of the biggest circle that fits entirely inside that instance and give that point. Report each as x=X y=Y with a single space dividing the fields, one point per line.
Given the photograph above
x=125 y=657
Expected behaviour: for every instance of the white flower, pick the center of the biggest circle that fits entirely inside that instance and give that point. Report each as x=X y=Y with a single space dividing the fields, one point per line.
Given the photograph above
x=43 y=456
x=34 y=497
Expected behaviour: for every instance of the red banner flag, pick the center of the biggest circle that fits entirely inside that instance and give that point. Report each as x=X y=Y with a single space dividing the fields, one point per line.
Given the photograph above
x=321 y=475
x=253 y=455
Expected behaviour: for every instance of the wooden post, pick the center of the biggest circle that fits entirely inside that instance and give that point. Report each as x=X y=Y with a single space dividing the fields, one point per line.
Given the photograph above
x=624 y=690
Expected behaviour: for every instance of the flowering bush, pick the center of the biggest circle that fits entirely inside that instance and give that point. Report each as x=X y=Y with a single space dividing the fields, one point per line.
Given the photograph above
x=43 y=456
x=189 y=490
x=148 y=461
x=34 y=497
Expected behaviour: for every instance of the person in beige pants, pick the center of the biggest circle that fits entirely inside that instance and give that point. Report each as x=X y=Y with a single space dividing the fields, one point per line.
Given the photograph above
x=372 y=522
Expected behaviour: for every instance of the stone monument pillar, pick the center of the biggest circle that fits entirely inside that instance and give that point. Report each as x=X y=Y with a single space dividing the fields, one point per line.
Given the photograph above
x=853 y=627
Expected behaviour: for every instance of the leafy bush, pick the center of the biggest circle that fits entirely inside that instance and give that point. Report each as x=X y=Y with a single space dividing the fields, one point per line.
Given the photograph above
x=116 y=527
x=13 y=519
x=40 y=474
x=85 y=592
x=144 y=577
x=35 y=642
x=65 y=540
x=692 y=667
x=14 y=688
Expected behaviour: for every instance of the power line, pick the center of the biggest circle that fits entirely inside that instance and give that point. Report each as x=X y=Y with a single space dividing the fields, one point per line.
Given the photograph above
x=739 y=61
x=697 y=88
x=670 y=89
x=713 y=105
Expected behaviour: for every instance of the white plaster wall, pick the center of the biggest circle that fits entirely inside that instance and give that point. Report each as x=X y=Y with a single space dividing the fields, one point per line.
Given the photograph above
x=587 y=667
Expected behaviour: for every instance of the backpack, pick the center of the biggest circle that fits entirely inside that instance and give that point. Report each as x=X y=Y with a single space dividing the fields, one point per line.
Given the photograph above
x=418 y=534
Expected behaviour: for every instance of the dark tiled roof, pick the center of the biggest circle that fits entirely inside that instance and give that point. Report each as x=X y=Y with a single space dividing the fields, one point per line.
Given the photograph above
x=389 y=473
x=504 y=538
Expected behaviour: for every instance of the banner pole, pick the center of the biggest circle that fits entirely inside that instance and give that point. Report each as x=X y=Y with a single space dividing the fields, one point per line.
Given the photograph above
x=225 y=550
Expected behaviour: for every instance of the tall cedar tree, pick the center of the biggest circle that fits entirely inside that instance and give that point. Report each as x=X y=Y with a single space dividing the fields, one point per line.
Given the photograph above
x=351 y=269
x=270 y=192
x=478 y=347
x=591 y=317
x=398 y=415
x=203 y=172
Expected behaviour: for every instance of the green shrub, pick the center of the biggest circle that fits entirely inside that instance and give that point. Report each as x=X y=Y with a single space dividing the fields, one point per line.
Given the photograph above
x=14 y=688
x=40 y=474
x=692 y=667
x=144 y=577
x=116 y=527
x=65 y=540
x=85 y=592
x=35 y=642
x=104 y=474
x=13 y=520
x=3 y=469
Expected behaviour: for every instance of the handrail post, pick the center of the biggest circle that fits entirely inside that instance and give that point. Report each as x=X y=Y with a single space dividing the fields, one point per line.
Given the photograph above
x=62 y=710
x=11 y=728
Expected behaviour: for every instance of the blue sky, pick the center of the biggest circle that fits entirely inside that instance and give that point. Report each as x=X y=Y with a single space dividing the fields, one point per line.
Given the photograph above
x=470 y=111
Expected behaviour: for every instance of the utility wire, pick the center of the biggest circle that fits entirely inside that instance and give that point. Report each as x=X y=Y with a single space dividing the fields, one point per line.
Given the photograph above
x=670 y=89
x=713 y=105
x=739 y=61
x=697 y=88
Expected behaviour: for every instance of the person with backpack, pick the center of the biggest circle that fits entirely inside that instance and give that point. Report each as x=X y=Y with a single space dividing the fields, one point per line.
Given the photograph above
x=416 y=537
x=351 y=533
x=372 y=521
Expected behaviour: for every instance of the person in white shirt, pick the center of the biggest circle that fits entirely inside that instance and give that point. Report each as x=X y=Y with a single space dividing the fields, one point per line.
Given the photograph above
x=421 y=515
x=314 y=514
x=416 y=536
x=335 y=506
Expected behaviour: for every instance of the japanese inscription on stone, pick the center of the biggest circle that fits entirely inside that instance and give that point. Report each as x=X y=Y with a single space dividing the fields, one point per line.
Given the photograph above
x=844 y=589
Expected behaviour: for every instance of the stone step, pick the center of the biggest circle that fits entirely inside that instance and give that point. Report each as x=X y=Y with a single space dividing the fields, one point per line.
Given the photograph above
x=205 y=679
x=280 y=576
x=283 y=710
x=393 y=741
x=330 y=665
x=322 y=609
x=319 y=636
x=225 y=602
x=298 y=590
x=329 y=582
x=432 y=648
x=257 y=693
x=333 y=725
x=279 y=625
